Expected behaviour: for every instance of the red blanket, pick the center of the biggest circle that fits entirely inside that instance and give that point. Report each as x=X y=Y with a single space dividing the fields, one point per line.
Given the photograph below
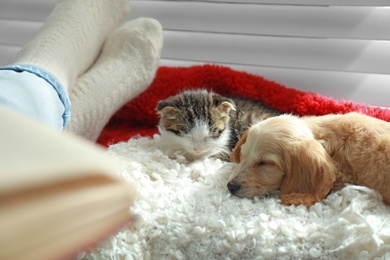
x=138 y=117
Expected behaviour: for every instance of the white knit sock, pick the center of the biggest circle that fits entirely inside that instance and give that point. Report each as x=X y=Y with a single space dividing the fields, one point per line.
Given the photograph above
x=72 y=37
x=126 y=66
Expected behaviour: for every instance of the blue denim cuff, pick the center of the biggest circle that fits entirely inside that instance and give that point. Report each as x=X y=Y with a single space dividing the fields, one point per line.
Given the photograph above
x=53 y=81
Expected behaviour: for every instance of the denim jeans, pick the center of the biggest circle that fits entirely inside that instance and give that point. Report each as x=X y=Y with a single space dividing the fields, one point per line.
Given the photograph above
x=34 y=92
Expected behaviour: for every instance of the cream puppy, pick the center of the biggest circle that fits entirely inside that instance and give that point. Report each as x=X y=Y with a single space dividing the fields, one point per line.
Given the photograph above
x=305 y=158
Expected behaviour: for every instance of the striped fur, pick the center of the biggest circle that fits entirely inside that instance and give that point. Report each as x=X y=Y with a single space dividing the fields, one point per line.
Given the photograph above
x=200 y=124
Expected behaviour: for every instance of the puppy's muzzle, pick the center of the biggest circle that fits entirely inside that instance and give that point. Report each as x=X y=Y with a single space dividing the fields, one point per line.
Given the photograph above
x=233 y=186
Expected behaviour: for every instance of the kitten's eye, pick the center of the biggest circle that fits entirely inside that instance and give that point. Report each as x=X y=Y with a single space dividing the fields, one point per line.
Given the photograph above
x=176 y=132
x=218 y=130
x=216 y=133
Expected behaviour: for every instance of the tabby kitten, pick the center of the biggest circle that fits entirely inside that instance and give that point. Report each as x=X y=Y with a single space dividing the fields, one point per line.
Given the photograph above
x=200 y=124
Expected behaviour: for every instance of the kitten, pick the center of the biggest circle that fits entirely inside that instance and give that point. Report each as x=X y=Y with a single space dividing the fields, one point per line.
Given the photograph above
x=200 y=124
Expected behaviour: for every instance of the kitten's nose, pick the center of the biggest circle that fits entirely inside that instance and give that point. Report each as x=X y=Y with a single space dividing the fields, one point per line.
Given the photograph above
x=233 y=186
x=198 y=150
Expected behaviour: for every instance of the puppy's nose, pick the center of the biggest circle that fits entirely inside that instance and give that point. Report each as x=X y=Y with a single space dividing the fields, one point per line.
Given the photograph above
x=233 y=186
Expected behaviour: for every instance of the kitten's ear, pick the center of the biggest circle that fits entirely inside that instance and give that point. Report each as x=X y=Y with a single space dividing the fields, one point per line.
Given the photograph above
x=162 y=104
x=165 y=110
x=168 y=113
x=225 y=107
x=236 y=153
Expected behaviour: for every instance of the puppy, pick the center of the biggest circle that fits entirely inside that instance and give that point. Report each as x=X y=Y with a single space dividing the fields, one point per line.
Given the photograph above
x=306 y=158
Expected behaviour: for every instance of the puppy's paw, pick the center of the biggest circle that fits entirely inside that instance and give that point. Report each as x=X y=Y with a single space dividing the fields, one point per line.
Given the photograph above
x=299 y=198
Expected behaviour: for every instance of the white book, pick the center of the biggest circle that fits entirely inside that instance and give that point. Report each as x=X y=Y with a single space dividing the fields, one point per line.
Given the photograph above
x=59 y=194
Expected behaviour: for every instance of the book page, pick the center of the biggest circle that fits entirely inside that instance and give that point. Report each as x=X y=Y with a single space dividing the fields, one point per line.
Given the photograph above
x=32 y=154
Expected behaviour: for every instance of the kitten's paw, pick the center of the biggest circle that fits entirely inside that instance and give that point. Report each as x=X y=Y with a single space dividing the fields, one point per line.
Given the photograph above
x=223 y=156
x=196 y=169
x=180 y=158
x=172 y=156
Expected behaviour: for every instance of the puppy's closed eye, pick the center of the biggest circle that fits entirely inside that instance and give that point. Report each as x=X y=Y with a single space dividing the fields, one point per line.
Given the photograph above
x=265 y=162
x=261 y=163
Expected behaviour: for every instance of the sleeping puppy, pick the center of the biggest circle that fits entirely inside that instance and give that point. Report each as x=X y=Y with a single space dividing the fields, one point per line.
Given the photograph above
x=305 y=158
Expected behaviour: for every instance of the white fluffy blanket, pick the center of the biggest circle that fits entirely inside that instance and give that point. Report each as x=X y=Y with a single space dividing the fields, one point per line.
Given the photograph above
x=186 y=212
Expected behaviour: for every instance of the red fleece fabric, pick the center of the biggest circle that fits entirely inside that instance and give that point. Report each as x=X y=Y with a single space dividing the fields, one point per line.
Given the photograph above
x=138 y=117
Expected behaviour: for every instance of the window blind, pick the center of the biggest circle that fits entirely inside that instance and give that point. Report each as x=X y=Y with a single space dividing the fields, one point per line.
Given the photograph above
x=337 y=48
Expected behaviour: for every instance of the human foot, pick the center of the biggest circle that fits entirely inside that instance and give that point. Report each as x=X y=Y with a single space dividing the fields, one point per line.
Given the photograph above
x=126 y=66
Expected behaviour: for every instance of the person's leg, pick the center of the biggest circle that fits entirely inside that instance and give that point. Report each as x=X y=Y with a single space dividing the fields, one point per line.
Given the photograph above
x=67 y=45
x=34 y=96
x=126 y=66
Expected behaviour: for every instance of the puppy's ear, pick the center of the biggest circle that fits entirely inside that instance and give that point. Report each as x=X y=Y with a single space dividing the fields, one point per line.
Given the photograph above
x=236 y=153
x=310 y=173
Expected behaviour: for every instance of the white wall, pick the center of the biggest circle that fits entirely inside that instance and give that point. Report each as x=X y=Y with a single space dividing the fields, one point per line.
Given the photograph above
x=342 y=50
